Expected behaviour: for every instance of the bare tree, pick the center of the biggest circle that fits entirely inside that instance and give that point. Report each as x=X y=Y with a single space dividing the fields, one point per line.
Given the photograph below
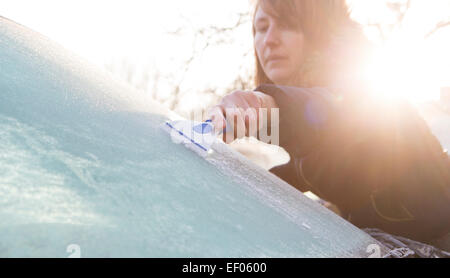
x=204 y=38
x=438 y=27
x=401 y=8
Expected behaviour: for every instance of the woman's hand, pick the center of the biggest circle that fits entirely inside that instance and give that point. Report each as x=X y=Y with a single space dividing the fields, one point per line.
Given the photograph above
x=244 y=107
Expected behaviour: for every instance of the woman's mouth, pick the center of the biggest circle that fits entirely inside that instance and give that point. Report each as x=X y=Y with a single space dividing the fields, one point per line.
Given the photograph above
x=275 y=59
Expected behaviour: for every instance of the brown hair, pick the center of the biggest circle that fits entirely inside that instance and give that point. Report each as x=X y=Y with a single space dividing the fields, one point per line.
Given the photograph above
x=335 y=43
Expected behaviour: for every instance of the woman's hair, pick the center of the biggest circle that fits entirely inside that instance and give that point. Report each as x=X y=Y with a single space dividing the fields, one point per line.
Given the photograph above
x=335 y=44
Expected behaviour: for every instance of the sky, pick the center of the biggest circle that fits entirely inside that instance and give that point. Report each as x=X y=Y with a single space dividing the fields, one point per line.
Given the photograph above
x=109 y=32
x=101 y=29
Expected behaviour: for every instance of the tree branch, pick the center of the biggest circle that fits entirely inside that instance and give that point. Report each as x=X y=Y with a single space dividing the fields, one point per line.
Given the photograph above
x=438 y=26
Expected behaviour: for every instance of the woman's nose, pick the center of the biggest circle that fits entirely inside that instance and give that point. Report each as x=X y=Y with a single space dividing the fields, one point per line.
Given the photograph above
x=272 y=37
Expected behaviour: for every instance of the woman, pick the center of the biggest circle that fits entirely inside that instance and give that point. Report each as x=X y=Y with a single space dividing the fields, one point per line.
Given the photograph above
x=376 y=160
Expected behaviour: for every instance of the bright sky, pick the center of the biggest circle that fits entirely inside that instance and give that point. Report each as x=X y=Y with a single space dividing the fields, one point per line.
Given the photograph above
x=102 y=29
x=109 y=31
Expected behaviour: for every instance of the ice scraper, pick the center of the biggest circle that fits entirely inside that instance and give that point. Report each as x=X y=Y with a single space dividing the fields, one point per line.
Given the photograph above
x=197 y=136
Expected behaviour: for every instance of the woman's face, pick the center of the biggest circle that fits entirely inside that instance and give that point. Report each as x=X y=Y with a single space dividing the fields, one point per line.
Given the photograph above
x=280 y=48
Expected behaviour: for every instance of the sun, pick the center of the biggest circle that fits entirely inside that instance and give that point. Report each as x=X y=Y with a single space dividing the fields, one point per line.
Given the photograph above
x=406 y=63
x=404 y=68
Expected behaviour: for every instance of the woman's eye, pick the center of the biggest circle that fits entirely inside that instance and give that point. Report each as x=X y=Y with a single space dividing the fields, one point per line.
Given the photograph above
x=261 y=29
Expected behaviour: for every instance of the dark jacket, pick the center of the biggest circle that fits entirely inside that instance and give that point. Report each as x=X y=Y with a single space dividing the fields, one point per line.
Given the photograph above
x=376 y=160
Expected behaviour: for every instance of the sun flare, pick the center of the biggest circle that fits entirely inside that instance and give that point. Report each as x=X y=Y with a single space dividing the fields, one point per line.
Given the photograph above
x=403 y=68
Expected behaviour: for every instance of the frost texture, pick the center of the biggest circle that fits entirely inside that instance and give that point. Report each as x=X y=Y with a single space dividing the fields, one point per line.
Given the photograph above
x=83 y=161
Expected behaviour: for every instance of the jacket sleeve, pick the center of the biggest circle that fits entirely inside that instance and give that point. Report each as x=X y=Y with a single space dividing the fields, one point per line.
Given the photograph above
x=305 y=116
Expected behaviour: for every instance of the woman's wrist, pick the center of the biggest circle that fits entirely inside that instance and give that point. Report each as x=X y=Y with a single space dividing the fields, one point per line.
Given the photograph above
x=267 y=101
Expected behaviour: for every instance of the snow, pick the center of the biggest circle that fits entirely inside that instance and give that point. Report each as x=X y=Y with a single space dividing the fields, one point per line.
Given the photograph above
x=84 y=163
